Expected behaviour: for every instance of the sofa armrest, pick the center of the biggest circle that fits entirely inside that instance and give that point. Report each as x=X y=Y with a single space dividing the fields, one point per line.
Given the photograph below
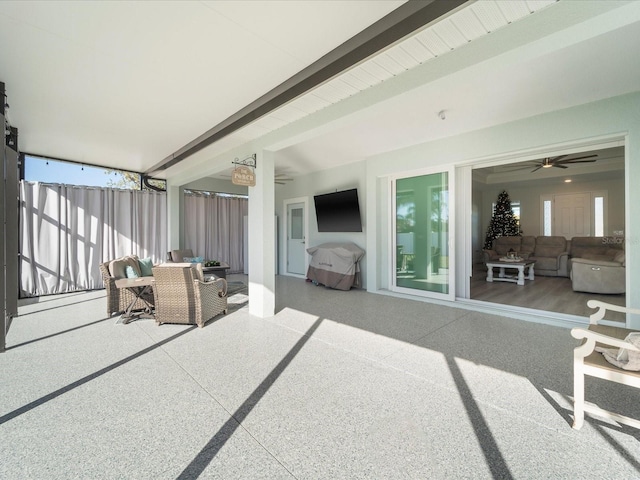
x=488 y=255
x=563 y=264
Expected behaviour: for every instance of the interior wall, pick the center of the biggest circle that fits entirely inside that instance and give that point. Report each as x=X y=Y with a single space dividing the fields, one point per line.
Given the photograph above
x=529 y=196
x=332 y=180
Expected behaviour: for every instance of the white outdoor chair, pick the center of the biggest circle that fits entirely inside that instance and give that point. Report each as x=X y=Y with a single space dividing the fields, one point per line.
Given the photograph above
x=586 y=361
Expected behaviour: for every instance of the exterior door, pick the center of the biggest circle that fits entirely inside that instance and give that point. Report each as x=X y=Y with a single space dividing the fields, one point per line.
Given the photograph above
x=423 y=259
x=296 y=242
x=572 y=215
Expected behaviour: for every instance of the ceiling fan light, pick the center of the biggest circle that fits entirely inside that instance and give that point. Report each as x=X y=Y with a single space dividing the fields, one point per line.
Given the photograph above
x=547 y=165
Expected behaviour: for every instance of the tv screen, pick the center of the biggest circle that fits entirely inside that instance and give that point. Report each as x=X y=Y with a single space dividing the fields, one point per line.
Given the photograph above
x=338 y=212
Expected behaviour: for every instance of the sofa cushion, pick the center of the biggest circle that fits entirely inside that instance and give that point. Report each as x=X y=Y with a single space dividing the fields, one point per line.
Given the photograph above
x=545 y=263
x=503 y=244
x=527 y=246
x=581 y=246
x=550 y=246
x=588 y=252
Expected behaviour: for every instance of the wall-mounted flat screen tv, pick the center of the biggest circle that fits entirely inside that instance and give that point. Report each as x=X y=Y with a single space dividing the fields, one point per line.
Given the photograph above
x=338 y=211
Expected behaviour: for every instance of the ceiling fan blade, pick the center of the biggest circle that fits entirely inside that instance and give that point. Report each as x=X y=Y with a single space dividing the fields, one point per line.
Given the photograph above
x=574 y=160
x=577 y=161
x=558 y=165
x=536 y=169
x=555 y=159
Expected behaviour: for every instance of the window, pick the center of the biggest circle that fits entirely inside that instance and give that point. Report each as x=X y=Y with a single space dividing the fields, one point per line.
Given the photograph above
x=598 y=217
x=546 y=208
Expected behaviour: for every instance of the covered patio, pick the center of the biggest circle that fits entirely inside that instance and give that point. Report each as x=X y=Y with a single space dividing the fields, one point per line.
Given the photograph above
x=334 y=385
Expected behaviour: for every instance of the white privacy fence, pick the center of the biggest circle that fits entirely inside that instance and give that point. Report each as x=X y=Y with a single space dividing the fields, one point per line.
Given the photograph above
x=67 y=231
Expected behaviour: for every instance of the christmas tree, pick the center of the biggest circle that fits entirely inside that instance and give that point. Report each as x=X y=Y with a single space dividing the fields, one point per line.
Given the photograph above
x=503 y=223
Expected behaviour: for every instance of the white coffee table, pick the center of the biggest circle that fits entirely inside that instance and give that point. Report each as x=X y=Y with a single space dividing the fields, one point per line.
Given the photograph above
x=504 y=277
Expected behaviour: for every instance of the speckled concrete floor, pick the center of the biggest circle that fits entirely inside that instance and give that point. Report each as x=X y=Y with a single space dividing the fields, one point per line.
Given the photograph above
x=335 y=385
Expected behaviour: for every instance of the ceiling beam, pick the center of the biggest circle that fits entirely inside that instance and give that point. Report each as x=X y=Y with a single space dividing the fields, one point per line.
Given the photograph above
x=406 y=19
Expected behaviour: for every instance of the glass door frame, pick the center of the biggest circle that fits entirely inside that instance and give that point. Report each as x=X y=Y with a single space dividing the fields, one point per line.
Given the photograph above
x=450 y=295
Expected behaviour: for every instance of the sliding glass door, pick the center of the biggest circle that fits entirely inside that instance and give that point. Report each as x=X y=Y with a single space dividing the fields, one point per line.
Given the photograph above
x=422 y=255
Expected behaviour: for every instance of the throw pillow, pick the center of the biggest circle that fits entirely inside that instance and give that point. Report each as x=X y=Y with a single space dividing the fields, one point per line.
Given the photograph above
x=131 y=272
x=193 y=259
x=145 y=266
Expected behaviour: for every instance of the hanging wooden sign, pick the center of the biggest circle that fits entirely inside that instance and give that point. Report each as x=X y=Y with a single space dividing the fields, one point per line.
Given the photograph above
x=243 y=176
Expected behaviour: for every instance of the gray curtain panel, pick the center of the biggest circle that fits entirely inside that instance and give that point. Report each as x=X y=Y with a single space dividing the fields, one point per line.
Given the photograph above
x=214 y=228
x=66 y=231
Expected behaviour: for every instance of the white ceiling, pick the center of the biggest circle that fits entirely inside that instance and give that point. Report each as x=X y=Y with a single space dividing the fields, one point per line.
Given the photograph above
x=125 y=84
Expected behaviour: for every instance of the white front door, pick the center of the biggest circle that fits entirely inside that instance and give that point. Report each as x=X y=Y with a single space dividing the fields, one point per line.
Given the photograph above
x=572 y=215
x=296 y=242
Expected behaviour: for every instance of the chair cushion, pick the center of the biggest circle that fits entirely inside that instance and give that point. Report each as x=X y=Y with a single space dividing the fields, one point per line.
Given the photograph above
x=118 y=267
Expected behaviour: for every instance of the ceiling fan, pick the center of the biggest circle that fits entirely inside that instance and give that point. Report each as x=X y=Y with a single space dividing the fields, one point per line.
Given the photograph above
x=562 y=162
x=281 y=179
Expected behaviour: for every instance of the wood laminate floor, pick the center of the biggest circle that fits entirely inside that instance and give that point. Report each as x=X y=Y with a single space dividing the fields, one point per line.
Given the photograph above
x=552 y=294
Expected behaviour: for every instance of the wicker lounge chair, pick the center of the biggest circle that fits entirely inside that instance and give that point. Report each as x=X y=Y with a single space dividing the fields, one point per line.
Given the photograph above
x=118 y=299
x=182 y=295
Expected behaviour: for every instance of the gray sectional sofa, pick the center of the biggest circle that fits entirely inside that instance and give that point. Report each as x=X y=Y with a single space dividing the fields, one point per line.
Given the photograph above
x=550 y=253
x=594 y=264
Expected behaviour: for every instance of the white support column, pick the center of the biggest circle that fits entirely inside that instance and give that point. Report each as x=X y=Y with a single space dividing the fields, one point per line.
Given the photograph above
x=262 y=282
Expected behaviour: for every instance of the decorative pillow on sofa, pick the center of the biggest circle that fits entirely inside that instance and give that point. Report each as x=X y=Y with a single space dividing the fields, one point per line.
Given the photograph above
x=145 y=266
